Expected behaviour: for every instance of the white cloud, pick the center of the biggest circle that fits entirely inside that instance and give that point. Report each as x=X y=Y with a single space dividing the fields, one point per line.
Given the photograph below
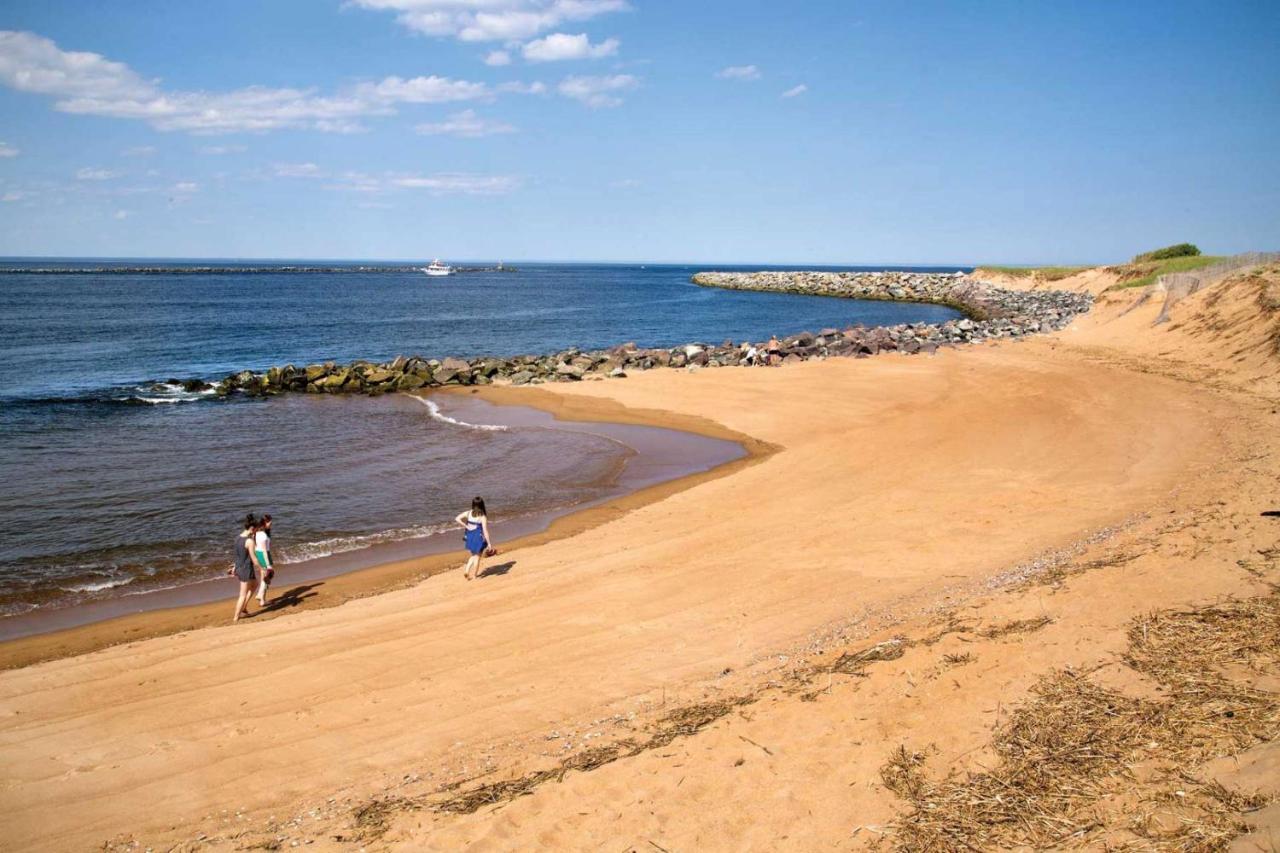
x=186 y=187
x=87 y=174
x=423 y=90
x=89 y=84
x=298 y=170
x=7 y=150
x=121 y=214
x=625 y=184
x=465 y=123
x=795 y=90
x=519 y=88
x=438 y=184
x=561 y=46
x=597 y=91
x=491 y=20
x=14 y=195
x=739 y=72
x=139 y=151
x=497 y=57
x=217 y=150
x=457 y=183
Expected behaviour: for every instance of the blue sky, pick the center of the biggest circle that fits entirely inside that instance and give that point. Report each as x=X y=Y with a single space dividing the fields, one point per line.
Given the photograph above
x=836 y=132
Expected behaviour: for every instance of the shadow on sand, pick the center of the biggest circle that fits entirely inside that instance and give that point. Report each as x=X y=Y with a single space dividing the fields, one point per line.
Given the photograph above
x=497 y=569
x=290 y=598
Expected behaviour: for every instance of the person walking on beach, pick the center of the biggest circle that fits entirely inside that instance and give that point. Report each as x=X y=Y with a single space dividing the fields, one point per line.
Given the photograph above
x=242 y=568
x=475 y=522
x=262 y=556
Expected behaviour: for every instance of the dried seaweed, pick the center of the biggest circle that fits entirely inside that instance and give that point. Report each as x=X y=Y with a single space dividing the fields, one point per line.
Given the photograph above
x=1066 y=774
x=1016 y=626
x=682 y=722
x=852 y=663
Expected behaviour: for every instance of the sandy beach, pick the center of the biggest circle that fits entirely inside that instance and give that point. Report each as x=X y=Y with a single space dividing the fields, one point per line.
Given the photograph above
x=657 y=672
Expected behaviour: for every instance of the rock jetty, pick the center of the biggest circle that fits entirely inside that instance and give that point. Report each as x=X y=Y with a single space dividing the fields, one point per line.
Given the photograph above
x=990 y=312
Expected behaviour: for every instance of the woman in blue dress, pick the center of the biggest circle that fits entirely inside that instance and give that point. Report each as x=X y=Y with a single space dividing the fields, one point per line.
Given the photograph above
x=475 y=522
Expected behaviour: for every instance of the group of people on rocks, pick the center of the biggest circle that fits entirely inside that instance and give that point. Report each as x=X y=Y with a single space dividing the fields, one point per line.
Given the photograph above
x=254 y=568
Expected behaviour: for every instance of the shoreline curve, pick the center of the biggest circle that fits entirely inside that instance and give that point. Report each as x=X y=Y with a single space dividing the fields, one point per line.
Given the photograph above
x=398 y=574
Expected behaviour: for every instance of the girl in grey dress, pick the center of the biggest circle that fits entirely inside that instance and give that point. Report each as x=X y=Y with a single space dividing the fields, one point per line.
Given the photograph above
x=243 y=566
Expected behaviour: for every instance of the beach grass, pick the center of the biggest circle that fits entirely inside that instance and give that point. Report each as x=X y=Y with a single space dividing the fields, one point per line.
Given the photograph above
x=1042 y=273
x=1146 y=272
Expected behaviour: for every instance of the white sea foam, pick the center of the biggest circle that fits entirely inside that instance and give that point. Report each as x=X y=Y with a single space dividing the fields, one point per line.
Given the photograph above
x=441 y=416
x=99 y=585
x=343 y=544
x=173 y=393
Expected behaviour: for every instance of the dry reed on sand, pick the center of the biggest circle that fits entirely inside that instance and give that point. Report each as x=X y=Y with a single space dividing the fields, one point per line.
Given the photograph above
x=852 y=663
x=1015 y=626
x=682 y=722
x=1081 y=764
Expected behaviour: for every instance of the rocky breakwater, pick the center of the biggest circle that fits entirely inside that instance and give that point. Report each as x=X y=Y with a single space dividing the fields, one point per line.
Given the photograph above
x=991 y=312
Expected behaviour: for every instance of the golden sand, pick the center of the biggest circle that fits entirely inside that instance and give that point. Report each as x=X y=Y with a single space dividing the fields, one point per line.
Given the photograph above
x=685 y=634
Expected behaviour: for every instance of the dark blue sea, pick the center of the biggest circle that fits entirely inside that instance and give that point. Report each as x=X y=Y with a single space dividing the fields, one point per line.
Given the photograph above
x=118 y=482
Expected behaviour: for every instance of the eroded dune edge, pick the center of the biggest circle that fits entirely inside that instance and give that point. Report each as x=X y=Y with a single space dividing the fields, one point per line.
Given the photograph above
x=1012 y=594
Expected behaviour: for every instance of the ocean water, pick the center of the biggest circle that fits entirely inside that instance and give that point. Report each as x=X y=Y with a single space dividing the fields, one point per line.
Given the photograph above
x=117 y=481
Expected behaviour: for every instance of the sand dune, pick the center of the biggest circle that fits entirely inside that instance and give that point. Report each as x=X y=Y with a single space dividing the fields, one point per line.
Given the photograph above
x=900 y=487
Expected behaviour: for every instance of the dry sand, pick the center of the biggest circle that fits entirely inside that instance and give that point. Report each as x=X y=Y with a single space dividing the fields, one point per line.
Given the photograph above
x=882 y=491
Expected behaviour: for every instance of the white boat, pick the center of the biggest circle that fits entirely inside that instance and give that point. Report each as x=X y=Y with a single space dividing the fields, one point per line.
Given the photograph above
x=437 y=268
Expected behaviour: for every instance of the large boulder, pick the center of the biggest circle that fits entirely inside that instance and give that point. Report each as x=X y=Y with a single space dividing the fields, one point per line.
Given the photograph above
x=457 y=365
x=410 y=382
x=569 y=371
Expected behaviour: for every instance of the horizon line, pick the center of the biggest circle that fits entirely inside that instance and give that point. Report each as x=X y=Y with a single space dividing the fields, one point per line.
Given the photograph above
x=680 y=262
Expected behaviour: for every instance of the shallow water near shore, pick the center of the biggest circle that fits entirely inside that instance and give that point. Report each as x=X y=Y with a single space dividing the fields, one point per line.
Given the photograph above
x=120 y=483
x=622 y=458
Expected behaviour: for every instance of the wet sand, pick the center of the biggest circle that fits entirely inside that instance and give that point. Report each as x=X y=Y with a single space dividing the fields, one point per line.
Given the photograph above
x=655 y=455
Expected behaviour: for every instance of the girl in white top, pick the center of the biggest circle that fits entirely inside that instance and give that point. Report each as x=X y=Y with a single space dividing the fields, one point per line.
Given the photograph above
x=262 y=556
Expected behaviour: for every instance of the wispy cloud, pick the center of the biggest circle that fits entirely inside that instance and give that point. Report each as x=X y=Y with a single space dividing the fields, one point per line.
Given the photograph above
x=90 y=84
x=90 y=174
x=139 y=151
x=218 y=150
x=14 y=195
x=298 y=170
x=185 y=187
x=120 y=214
x=521 y=88
x=597 y=91
x=739 y=72
x=497 y=58
x=7 y=150
x=561 y=46
x=465 y=123
x=449 y=184
x=795 y=90
x=445 y=183
x=422 y=90
x=490 y=20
